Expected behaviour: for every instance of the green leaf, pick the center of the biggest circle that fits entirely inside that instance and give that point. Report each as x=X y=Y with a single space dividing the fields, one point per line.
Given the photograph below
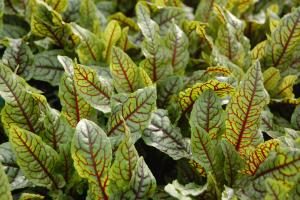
x=20 y=108
x=57 y=130
x=123 y=70
x=126 y=158
x=232 y=163
x=74 y=107
x=112 y=34
x=126 y=21
x=92 y=155
x=271 y=78
x=57 y=5
x=35 y=158
x=47 y=67
x=295 y=191
x=283 y=41
x=206 y=151
x=4 y=188
x=90 y=47
x=135 y=109
x=295 y=121
x=142 y=183
x=276 y=190
x=178 y=43
x=125 y=42
x=285 y=87
x=29 y=196
x=89 y=15
x=244 y=111
x=14 y=27
x=208 y=114
x=162 y=135
x=8 y=161
x=93 y=88
x=18 y=57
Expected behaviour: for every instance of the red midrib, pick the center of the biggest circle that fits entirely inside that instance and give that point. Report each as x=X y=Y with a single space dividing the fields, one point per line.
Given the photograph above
x=174 y=52
x=287 y=42
x=109 y=42
x=77 y=110
x=19 y=105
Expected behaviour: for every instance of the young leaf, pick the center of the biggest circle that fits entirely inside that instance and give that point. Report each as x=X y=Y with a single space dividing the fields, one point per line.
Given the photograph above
x=259 y=155
x=142 y=183
x=135 y=109
x=283 y=40
x=187 y=98
x=126 y=158
x=178 y=43
x=35 y=158
x=4 y=187
x=112 y=34
x=94 y=89
x=244 y=111
x=125 y=43
x=47 y=67
x=285 y=87
x=271 y=78
x=208 y=114
x=20 y=108
x=73 y=106
x=18 y=57
x=90 y=47
x=57 y=5
x=162 y=135
x=123 y=70
x=92 y=155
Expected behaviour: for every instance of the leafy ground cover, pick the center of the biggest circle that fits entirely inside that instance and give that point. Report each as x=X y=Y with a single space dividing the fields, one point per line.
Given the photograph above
x=157 y=99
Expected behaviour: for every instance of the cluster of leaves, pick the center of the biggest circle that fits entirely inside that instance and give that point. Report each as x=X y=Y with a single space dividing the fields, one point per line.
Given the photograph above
x=157 y=99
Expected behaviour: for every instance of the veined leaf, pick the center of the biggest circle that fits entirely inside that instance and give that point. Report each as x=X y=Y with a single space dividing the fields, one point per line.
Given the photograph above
x=29 y=196
x=232 y=163
x=295 y=191
x=112 y=34
x=124 y=42
x=206 y=151
x=126 y=21
x=35 y=158
x=57 y=129
x=20 y=108
x=47 y=67
x=218 y=70
x=283 y=40
x=92 y=155
x=93 y=88
x=282 y=165
x=271 y=78
x=8 y=161
x=244 y=111
x=57 y=5
x=18 y=57
x=142 y=183
x=276 y=190
x=4 y=187
x=126 y=158
x=162 y=135
x=285 y=87
x=208 y=114
x=123 y=70
x=197 y=167
x=259 y=155
x=178 y=43
x=90 y=47
x=89 y=15
x=135 y=109
x=187 y=98
x=73 y=106
x=258 y=51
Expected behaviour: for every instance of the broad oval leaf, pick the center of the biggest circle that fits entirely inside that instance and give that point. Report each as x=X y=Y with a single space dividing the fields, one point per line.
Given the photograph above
x=4 y=187
x=35 y=158
x=135 y=109
x=123 y=70
x=92 y=155
x=244 y=111
x=164 y=136
x=208 y=114
x=93 y=88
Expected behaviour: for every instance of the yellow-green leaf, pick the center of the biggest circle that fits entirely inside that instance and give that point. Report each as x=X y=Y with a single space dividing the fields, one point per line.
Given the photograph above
x=112 y=34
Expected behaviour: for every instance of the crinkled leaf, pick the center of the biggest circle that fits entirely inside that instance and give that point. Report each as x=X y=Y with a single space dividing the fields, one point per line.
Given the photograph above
x=93 y=88
x=47 y=67
x=35 y=158
x=244 y=111
x=92 y=155
x=4 y=187
x=135 y=109
x=18 y=57
x=208 y=114
x=164 y=136
x=123 y=70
